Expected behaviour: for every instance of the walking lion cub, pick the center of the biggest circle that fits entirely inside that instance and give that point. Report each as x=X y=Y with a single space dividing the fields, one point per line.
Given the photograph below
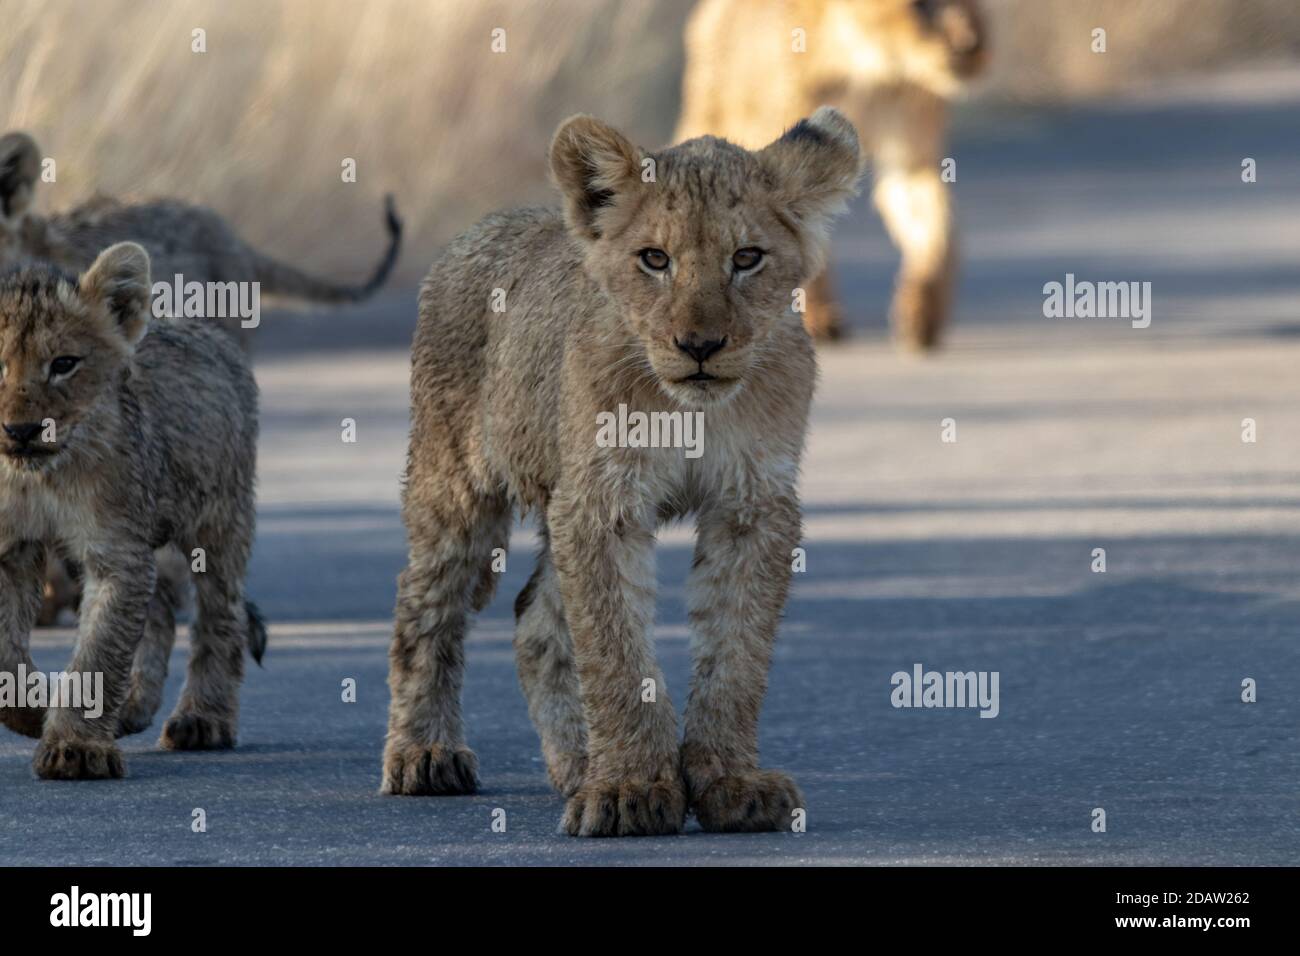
x=664 y=288
x=123 y=436
x=181 y=239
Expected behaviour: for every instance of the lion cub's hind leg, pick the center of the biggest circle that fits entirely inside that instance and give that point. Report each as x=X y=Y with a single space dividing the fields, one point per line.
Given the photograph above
x=549 y=675
x=62 y=590
x=207 y=715
x=448 y=574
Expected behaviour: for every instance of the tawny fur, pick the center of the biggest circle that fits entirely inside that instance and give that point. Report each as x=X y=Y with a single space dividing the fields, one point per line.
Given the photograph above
x=152 y=450
x=191 y=241
x=504 y=420
x=891 y=66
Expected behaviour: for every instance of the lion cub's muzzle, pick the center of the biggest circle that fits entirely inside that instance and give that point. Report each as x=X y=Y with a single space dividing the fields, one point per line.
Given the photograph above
x=700 y=350
x=23 y=441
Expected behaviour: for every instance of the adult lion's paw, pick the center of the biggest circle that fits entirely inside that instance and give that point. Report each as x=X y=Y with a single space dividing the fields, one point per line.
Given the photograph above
x=630 y=808
x=748 y=802
x=71 y=758
x=421 y=770
x=198 y=732
x=919 y=313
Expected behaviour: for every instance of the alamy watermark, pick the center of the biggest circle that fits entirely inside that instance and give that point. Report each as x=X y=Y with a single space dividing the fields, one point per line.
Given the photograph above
x=209 y=300
x=626 y=429
x=76 y=909
x=83 y=691
x=1083 y=299
x=922 y=688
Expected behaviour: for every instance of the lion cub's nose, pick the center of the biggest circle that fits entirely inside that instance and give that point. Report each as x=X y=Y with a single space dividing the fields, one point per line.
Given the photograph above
x=698 y=350
x=23 y=433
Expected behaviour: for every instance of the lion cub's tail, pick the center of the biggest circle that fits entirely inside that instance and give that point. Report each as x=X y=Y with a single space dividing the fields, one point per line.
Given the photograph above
x=256 y=632
x=279 y=279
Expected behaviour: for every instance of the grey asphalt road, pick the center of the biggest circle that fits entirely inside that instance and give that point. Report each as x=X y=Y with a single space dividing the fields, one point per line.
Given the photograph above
x=1119 y=690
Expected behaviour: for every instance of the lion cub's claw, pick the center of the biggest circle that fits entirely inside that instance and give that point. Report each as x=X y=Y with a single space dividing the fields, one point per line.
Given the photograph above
x=420 y=770
x=75 y=759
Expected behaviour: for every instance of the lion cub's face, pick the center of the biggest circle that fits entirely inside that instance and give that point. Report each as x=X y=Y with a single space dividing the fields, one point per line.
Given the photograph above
x=703 y=247
x=65 y=347
x=937 y=44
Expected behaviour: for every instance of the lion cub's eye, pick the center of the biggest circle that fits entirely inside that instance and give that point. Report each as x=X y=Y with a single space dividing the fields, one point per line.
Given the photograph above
x=655 y=259
x=64 y=364
x=747 y=258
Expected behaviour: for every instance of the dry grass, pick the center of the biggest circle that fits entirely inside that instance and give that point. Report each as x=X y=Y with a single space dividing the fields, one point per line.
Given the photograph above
x=1043 y=47
x=258 y=125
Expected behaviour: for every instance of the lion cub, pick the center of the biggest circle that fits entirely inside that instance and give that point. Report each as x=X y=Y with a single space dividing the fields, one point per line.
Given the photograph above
x=892 y=65
x=181 y=239
x=665 y=287
x=121 y=437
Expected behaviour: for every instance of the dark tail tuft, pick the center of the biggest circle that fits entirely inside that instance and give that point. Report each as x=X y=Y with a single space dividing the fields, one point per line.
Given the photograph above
x=393 y=222
x=256 y=632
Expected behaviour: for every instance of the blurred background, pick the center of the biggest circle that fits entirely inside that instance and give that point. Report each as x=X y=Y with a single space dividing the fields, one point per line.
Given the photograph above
x=257 y=126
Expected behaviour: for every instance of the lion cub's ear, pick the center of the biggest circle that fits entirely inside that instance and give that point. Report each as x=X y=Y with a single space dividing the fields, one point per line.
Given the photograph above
x=20 y=165
x=595 y=167
x=815 y=167
x=119 y=281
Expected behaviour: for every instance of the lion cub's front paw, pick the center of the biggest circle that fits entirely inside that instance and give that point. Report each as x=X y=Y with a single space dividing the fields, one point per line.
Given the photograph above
x=421 y=770
x=197 y=732
x=71 y=758
x=748 y=802
x=630 y=808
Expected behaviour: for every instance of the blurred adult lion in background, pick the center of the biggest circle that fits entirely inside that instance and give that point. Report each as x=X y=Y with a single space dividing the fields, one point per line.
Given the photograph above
x=755 y=66
x=287 y=90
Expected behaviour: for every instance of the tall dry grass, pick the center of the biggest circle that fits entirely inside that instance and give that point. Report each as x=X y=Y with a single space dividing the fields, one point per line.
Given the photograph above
x=258 y=125
x=1043 y=47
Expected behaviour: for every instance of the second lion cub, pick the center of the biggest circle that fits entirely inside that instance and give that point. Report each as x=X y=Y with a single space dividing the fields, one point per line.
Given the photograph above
x=122 y=439
x=665 y=286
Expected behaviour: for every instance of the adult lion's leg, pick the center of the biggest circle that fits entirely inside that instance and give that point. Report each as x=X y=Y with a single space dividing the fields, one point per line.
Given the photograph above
x=822 y=316
x=22 y=570
x=605 y=572
x=913 y=201
x=548 y=672
x=451 y=542
x=738 y=588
